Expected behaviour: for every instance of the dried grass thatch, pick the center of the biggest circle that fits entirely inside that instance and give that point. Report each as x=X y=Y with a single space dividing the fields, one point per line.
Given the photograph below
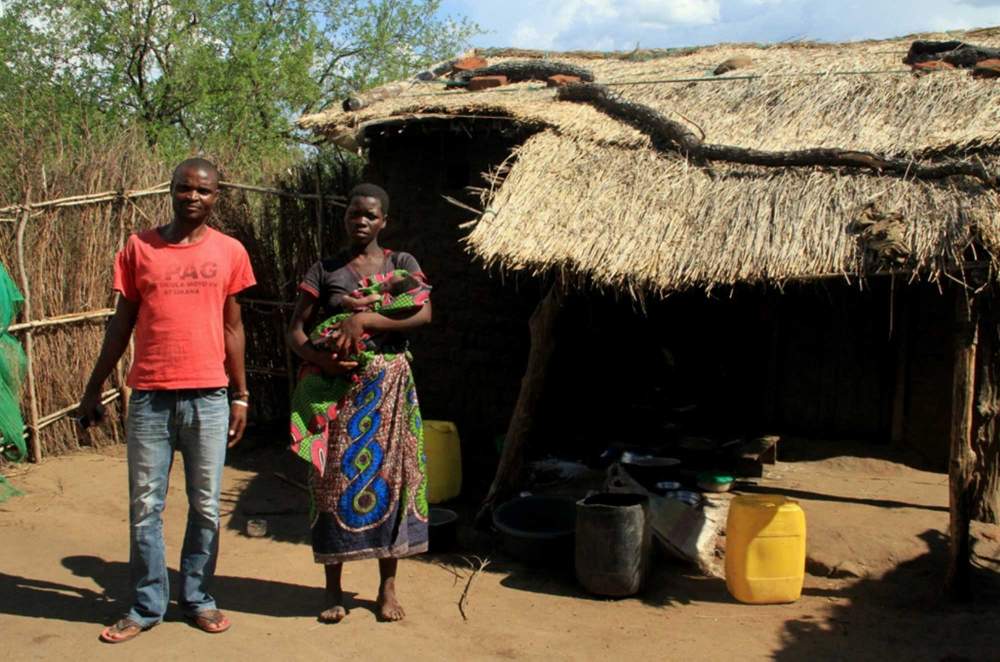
x=69 y=254
x=589 y=196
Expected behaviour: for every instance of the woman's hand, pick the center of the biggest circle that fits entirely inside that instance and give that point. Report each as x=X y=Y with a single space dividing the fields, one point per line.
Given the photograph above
x=332 y=365
x=352 y=335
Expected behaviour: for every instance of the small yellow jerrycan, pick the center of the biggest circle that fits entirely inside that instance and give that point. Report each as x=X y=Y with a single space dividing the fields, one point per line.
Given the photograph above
x=765 y=549
x=444 y=460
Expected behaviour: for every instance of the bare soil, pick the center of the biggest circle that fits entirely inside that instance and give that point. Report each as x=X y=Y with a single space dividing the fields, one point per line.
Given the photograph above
x=63 y=575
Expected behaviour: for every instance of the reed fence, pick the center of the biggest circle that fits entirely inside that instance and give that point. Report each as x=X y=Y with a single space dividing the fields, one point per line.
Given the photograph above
x=63 y=268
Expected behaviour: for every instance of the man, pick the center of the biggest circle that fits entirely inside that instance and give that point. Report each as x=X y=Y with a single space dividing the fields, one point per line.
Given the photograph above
x=177 y=285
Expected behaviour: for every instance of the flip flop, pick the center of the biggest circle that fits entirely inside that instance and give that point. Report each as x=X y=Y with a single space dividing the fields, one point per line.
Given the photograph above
x=121 y=631
x=211 y=621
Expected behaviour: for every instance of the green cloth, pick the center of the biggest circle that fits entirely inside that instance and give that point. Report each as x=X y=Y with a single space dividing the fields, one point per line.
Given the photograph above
x=317 y=396
x=12 y=371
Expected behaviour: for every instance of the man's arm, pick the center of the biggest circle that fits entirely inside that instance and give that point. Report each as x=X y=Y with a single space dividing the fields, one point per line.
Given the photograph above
x=116 y=339
x=235 y=339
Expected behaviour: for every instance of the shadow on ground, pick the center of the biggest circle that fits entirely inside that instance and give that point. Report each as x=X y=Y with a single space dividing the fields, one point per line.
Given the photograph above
x=816 y=496
x=275 y=492
x=24 y=596
x=900 y=614
x=903 y=615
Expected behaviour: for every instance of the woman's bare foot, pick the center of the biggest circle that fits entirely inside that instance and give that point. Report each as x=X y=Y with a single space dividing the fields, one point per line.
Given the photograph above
x=389 y=608
x=336 y=612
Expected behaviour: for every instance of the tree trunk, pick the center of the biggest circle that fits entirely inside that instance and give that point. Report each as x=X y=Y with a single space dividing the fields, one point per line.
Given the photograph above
x=986 y=426
x=511 y=468
x=962 y=459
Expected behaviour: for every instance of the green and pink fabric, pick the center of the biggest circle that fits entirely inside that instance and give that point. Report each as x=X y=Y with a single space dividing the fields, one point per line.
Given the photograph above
x=318 y=397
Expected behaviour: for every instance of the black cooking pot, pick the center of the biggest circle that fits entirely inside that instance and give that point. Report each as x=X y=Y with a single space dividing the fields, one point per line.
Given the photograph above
x=538 y=529
x=442 y=530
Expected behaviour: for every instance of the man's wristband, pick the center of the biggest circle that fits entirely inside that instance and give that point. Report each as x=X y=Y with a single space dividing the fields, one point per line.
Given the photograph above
x=240 y=403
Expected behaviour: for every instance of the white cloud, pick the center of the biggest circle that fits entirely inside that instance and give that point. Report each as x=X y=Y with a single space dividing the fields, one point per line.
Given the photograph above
x=552 y=22
x=596 y=24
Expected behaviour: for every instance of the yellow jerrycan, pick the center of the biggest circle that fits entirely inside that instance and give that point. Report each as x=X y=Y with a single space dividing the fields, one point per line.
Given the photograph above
x=444 y=460
x=765 y=549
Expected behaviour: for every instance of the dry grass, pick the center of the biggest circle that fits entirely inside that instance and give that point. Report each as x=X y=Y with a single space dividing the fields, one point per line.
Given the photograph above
x=68 y=263
x=588 y=196
x=69 y=256
x=647 y=223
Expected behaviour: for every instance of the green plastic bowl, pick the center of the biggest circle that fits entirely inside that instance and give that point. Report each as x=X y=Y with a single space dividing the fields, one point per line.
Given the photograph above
x=710 y=481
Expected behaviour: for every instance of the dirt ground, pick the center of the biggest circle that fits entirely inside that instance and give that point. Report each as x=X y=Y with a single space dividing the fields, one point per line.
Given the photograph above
x=63 y=574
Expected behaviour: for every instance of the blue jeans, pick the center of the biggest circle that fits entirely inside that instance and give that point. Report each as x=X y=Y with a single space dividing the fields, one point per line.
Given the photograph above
x=196 y=422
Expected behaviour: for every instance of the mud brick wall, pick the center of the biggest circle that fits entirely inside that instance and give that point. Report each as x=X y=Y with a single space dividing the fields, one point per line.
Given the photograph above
x=823 y=361
x=468 y=364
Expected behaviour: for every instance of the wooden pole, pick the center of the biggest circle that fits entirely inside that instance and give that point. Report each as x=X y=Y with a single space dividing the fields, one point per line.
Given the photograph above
x=29 y=353
x=319 y=214
x=159 y=189
x=510 y=471
x=71 y=318
x=962 y=459
x=986 y=416
x=107 y=397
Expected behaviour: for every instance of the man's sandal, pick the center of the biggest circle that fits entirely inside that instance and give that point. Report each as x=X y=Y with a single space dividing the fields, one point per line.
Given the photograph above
x=121 y=631
x=211 y=621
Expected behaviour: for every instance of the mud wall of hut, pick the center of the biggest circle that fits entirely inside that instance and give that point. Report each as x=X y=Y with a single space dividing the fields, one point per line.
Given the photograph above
x=825 y=360
x=820 y=361
x=468 y=364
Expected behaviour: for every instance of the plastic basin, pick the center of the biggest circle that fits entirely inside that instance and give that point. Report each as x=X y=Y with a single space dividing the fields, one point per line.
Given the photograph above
x=537 y=529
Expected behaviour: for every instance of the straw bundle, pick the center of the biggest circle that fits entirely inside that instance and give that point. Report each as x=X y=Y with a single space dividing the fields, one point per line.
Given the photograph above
x=69 y=250
x=590 y=196
x=68 y=254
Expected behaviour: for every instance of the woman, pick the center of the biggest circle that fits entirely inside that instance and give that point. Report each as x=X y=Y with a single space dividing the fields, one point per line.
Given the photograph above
x=355 y=413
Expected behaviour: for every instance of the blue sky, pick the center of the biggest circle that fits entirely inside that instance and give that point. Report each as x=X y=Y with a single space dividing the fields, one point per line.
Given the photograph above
x=620 y=24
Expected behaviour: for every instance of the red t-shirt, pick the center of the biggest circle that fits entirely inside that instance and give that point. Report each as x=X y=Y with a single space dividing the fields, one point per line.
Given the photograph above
x=181 y=290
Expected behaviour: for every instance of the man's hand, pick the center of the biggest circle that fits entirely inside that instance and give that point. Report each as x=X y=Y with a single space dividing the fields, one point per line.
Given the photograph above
x=237 y=423
x=91 y=411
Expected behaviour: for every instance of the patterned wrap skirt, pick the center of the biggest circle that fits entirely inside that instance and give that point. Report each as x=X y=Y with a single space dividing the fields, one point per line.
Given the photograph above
x=371 y=500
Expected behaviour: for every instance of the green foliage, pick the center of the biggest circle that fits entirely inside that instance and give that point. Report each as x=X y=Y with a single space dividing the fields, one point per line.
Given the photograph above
x=226 y=78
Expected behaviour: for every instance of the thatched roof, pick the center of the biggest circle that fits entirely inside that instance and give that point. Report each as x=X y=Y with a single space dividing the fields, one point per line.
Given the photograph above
x=590 y=196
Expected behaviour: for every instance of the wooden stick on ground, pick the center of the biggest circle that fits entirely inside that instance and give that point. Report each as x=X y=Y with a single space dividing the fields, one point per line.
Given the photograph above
x=462 y=601
x=447 y=568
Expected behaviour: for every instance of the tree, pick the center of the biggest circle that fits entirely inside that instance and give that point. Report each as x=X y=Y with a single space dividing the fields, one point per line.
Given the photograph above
x=225 y=77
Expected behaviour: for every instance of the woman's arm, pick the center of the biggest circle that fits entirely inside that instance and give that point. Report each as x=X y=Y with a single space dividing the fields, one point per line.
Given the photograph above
x=354 y=327
x=402 y=321
x=299 y=343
